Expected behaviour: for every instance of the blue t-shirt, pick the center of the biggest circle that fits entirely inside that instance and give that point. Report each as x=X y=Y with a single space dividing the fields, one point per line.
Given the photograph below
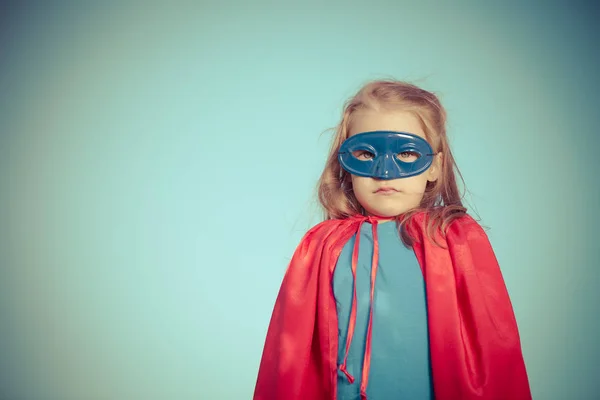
x=400 y=363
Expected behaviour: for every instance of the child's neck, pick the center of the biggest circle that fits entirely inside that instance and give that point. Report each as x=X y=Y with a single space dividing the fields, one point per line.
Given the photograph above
x=381 y=220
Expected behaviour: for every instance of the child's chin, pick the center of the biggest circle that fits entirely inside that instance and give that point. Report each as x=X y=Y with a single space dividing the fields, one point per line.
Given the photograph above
x=389 y=212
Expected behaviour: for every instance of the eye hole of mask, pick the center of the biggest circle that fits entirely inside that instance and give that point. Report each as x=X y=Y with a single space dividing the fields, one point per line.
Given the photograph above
x=408 y=156
x=405 y=156
x=363 y=155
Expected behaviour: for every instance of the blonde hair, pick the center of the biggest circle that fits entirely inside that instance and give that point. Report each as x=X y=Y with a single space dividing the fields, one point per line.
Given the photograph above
x=442 y=201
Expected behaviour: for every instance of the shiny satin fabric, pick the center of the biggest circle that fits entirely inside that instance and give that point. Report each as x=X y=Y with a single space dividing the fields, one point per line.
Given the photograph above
x=475 y=345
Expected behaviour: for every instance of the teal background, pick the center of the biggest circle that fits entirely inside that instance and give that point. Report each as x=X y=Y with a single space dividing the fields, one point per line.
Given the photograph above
x=158 y=165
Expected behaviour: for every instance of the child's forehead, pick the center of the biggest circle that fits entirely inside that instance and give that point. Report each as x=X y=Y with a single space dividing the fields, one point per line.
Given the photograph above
x=372 y=120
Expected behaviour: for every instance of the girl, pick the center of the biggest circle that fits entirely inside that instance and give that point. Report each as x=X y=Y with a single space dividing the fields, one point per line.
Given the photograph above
x=369 y=308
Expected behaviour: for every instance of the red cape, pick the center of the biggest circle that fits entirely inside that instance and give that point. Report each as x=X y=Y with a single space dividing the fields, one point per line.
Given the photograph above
x=475 y=345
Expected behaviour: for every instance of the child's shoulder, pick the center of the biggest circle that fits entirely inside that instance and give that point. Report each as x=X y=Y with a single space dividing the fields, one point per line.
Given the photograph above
x=325 y=233
x=466 y=219
x=450 y=223
x=466 y=227
x=445 y=213
x=331 y=229
x=328 y=225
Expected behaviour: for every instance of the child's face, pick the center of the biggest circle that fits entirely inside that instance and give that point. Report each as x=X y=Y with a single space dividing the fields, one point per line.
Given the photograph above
x=402 y=194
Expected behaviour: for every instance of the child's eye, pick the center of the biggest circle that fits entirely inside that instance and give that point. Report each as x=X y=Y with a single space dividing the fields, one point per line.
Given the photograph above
x=363 y=155
x=408 y=156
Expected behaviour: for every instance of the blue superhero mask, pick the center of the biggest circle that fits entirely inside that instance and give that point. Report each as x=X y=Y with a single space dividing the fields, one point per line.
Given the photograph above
x=385 y=155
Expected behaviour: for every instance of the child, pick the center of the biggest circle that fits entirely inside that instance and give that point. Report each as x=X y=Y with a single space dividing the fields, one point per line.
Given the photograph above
x=369 y=308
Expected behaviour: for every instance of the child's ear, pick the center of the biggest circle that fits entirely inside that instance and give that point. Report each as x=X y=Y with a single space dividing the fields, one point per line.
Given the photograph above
x=436 y=167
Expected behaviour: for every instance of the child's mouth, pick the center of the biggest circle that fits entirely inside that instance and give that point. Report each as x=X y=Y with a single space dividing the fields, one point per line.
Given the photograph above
x=386 y=190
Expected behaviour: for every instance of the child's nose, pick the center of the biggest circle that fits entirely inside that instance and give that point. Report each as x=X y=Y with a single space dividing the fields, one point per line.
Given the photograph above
x=384 y=167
